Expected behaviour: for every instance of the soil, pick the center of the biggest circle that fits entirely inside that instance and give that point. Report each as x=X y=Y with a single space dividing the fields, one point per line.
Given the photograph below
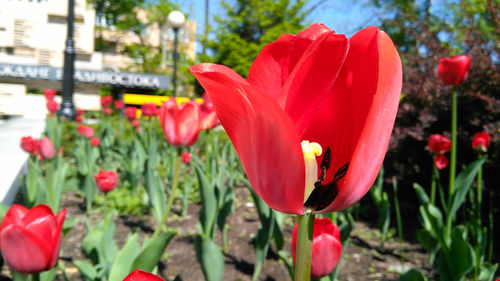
x=364 y=259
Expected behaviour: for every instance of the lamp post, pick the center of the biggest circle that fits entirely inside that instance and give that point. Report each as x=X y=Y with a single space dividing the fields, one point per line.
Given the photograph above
x=67 y=109
x=176 y=20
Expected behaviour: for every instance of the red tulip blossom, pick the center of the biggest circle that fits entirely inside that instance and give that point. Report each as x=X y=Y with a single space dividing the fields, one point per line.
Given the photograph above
x=440 y=161
x=85 y=131
x=208 y=116
x=46 y=148
x=29 y=145
x=453 y=70
x=78 y=118
x=130 y=113
x=149 y=109
x=119 y=104
x=106 y=101
x=49 y=93
x=52 y=106
x=180 y=124
x=106 y=180
x=438 y=144
x=186 y=157
x=80 y=112
x=30 y=240
x=107 y=110
x=304 y=94
x=481 y=142
x=135 y=123
x=326 y=247
x=95 y=142
x=139 y=275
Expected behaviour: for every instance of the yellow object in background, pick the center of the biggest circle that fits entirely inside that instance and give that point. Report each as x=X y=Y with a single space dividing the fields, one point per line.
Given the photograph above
x=138 y=99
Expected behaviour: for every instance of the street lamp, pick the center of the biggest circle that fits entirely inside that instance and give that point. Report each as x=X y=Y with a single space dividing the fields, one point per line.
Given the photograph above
x=176 y=20
x=67 y=109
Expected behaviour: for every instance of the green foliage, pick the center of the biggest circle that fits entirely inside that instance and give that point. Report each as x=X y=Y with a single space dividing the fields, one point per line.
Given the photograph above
x=249 y=26
x=123 y=200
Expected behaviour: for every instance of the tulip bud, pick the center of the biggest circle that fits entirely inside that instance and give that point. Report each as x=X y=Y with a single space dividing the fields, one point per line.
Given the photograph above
x=85 y=131
x=440 y=161
x=49 y=93
x=186 y=157
x=46 y=148
x=438 y=144
x=106 y=101
x=481 y=142
x=453 y=70
x=326 y=247
x=139 y=275
x=52 y=106
x=95 y=142
x=180 y=124
x=29 y=145
x=107 y=111
x=106 y=180
x=130 y=113
x=30 y=240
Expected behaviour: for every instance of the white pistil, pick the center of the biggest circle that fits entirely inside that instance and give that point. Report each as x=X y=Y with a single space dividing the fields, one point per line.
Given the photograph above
x=310 y=150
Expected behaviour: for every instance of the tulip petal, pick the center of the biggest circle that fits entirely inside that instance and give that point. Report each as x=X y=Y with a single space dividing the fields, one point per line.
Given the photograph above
x=326 y=251
x=263 y=135
x=56 y=240
x=312 y=78
x=357 y=119
x=20 y=245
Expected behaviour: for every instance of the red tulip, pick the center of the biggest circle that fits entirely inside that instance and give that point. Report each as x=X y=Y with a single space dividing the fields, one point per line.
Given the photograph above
x=186 y=157
x=107 y=110
x=438 y=144
x=135 y=123
x=46 y=148
x=139 y=275
x=180 y=124
x=440 y=161
x=130 y=113
x=49 y=93
x=106 y=180
x=80 y=112
x=79 y=119
x=149 y=109
x=106 y=101
x=326 y=247
x=481 y=142
x=85 y=131
x=208 y=116
x=52 y=106
x=29 y=145
x=119 y=104
x=320 y=87
x=30 y=240
x=453 y=70
x=95 y=142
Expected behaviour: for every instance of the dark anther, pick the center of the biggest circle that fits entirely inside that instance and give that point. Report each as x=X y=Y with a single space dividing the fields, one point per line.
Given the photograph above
x=324 y=194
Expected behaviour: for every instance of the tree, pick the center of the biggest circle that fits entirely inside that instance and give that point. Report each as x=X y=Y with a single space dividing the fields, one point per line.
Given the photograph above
x=251 y=24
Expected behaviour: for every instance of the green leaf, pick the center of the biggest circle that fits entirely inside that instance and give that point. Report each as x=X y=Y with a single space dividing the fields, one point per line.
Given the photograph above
x=122 y=265
x=488 y=272
x=210 y=258
x=421 y=194
x=459 y=260
x=412 y=275
x=68 y=224
x=462 y=184
x=3 y=209
x=48 y=275
x=88 y=272
x=208 y=210
x=428 y=241
x=90 y=244
x=152 y=252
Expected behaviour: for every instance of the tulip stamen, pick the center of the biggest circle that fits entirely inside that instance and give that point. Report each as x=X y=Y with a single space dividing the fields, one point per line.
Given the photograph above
x=324 y=194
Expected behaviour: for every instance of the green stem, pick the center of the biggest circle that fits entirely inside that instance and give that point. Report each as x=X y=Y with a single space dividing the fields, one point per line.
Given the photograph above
x=479 y=195
x=453 y=153
x=453 y=159
x=433 y=185
x=170 y=202
x=398 y=218
x=305 y=229
x=35 y=277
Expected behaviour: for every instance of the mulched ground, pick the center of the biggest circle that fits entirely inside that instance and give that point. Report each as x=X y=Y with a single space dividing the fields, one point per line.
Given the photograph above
x=364 y=259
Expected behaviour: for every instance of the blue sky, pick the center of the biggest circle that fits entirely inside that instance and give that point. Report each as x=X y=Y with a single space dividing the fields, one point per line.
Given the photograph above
x=336 y=14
